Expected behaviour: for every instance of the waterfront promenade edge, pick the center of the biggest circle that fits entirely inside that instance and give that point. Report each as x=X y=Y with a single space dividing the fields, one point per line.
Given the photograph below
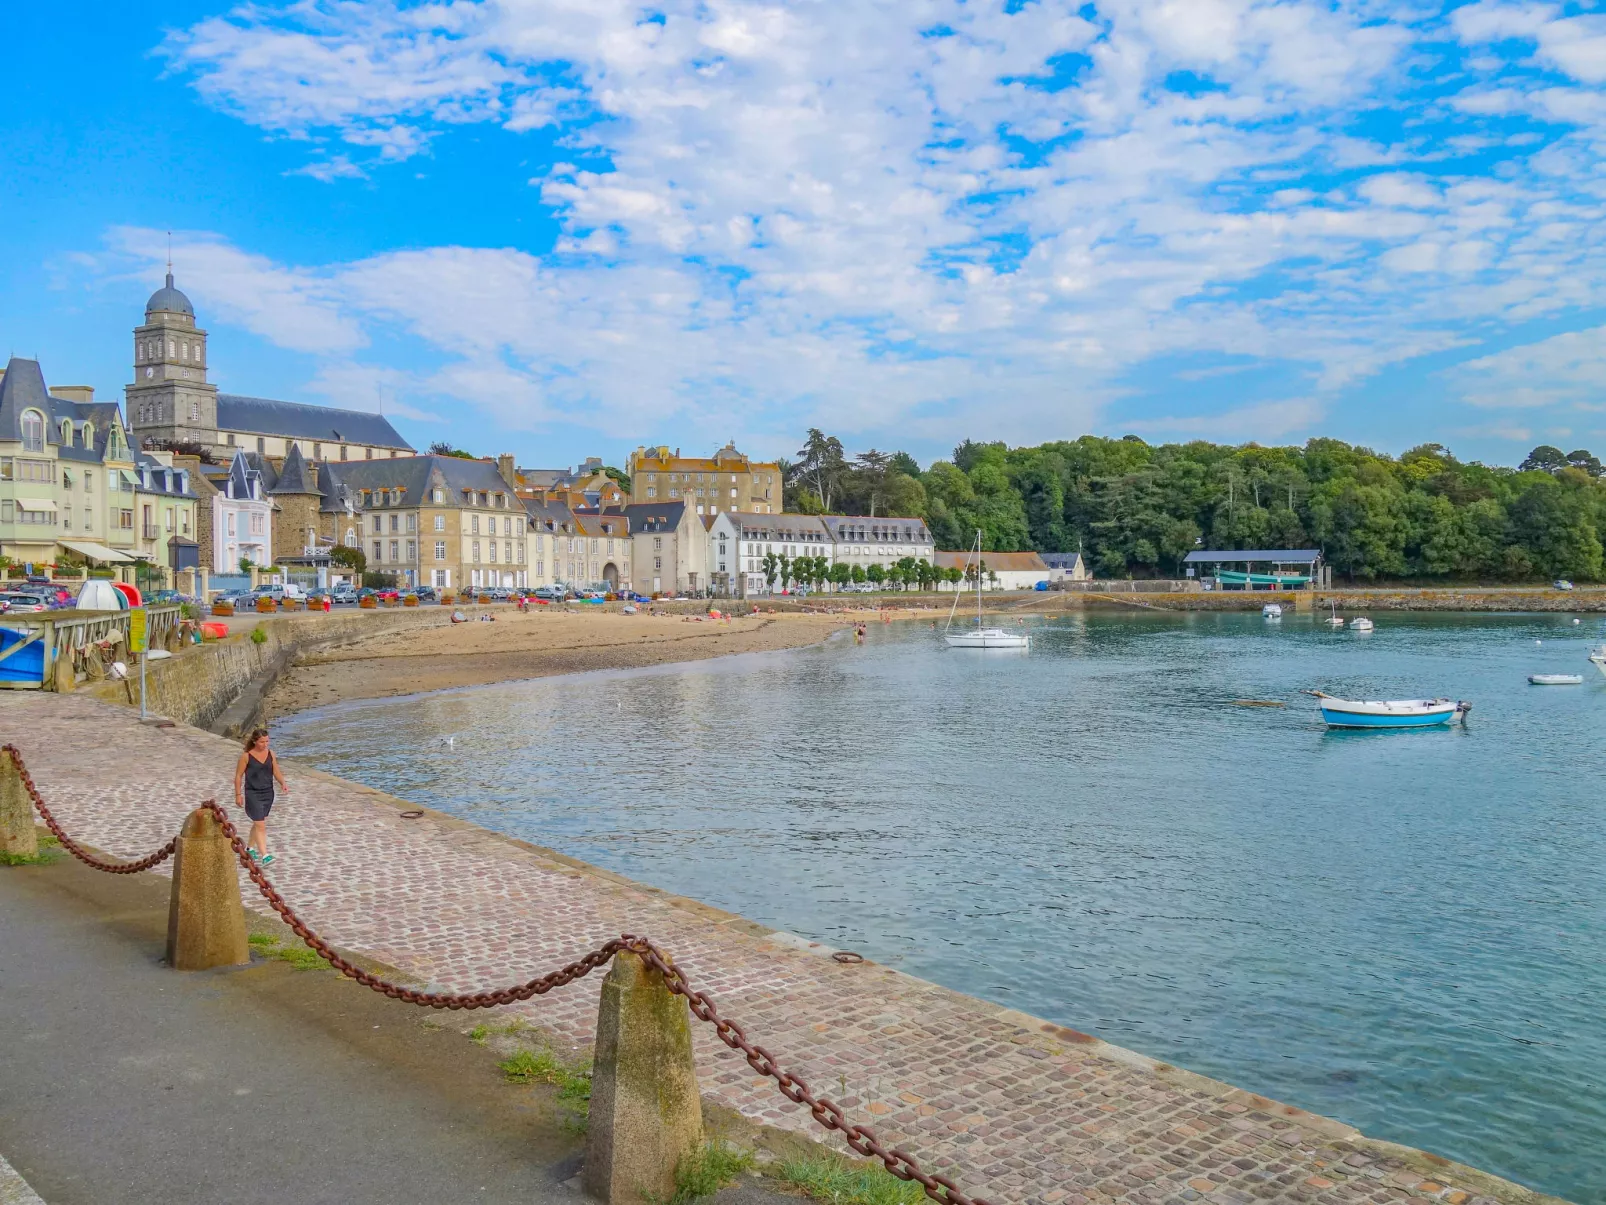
x=1016 y=1108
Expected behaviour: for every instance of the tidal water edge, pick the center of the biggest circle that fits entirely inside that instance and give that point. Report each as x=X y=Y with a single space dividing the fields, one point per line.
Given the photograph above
x=1401 y=930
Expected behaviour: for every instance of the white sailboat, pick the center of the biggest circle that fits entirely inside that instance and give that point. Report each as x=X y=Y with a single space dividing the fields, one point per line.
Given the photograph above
x=979 y=637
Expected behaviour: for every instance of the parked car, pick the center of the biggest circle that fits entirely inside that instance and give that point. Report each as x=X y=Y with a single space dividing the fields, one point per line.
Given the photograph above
x=343 y=596
x=1562 y=583
x=426 y=594
x=18 y=603
x=552 y=593
x=276 y=592
x=1042 y=585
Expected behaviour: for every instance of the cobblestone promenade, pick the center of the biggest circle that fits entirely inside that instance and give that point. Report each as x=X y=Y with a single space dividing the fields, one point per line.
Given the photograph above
x=1014 y=1109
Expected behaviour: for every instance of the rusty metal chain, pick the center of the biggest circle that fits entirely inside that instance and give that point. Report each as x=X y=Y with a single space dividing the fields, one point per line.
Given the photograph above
x=68 y=843
x=826 y=1112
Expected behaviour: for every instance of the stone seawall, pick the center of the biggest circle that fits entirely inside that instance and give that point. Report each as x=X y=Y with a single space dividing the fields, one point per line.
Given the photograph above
x=219 y=685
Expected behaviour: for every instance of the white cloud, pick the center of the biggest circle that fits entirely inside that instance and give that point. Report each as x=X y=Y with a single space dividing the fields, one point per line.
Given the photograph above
x=1264 y=422
x=866 y=214
x=336 y=167
x=289 y=306
x=1564 y=370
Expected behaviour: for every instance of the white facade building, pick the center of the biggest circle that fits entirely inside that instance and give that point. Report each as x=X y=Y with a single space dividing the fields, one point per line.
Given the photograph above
x=242 y=519
x=868 y=540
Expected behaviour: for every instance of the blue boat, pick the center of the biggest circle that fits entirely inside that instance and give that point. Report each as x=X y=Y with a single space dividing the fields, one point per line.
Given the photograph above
x=1390 y=713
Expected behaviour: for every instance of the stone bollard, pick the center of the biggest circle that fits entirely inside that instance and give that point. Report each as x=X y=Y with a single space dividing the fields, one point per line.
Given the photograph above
x=17 y=835
x=646 y=1113
x=205 y=919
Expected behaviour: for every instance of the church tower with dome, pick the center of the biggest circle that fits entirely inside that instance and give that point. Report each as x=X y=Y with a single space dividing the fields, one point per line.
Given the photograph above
x=171 y=402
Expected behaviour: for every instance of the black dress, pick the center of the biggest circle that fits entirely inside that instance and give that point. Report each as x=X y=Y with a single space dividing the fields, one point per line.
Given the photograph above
x=258 y=786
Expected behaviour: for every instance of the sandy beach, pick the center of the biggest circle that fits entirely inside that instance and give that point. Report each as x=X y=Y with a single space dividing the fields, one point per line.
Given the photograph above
x=534 y=645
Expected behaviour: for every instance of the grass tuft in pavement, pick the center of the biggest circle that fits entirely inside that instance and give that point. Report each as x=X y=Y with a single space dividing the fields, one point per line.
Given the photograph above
x=303 y=958
x=829 y=1179
x=572 y=1080
x=49 y=851
x=709 y=1170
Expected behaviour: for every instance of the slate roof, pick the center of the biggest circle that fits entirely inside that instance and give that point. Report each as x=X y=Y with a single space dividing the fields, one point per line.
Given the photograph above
x=415 y=476
x=295 y=420
x=652 y=516
x=550 y=516
x=294 y=476
x=22 y=387
x=1062 y=560
x=838 y=524
x=164 y=479
x=1287 y=556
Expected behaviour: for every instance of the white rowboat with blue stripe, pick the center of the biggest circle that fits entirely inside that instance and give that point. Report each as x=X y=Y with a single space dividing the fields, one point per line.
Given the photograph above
x=1390 y=713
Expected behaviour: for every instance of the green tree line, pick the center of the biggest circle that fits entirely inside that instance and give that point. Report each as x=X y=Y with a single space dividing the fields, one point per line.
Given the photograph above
x=1136 y=509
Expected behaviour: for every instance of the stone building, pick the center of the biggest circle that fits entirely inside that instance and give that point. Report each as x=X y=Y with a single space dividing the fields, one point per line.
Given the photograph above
x=299 y=520
x=172 y=405
x=669 y=547
x=725 y=481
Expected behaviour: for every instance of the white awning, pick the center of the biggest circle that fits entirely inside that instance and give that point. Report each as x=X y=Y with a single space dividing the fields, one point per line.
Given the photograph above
x=95 y=552
x=37 y=504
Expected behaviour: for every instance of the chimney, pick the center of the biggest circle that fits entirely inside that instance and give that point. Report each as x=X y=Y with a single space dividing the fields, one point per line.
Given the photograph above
x=74 y=393
x=504 y=466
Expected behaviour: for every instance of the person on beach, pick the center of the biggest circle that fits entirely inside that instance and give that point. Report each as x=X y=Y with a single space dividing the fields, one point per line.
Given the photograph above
x=254 y=777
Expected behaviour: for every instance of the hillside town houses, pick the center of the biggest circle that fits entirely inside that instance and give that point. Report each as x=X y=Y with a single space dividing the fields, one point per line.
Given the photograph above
x=185 y=486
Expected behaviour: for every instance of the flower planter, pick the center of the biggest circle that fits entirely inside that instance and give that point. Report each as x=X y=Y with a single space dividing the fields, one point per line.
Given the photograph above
x=266 y=605
x=222 y=608
x=448 y=599
x=367 y=603
x=483 y=599
x=410 y=601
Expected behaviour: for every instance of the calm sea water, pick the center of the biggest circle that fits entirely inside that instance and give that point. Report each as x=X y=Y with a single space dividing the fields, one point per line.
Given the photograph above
x=1403 y=930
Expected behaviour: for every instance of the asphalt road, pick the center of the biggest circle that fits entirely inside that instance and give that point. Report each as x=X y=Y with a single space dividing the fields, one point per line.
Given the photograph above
x=124 y=1081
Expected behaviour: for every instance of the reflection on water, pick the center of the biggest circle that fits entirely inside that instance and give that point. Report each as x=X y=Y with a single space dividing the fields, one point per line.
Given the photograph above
x=1403 y=930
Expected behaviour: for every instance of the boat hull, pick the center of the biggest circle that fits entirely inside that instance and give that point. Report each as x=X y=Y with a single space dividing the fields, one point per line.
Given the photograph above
x=1353 y=719
x=1389 y=713
x=992 y=639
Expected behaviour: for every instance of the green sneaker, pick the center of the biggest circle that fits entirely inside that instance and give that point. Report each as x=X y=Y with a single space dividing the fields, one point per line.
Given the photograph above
x=265 y=860
x=255 y=857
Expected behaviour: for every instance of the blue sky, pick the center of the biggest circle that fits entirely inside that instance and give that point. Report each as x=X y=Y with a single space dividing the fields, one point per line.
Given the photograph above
x=565 y=228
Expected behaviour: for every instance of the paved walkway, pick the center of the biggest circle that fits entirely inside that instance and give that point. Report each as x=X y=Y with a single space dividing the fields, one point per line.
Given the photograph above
x=1014 y=1109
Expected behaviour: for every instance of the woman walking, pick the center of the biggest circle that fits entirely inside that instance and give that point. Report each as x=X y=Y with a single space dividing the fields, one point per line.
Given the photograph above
x=254 y=777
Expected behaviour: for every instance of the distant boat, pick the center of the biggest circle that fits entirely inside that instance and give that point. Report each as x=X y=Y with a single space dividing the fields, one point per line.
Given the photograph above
x=1555 y=679
x=1361 y=624
x=1597 y=658
x=1272 y=611
x=1333 y=620
x=1391 y=713
x=980 y=637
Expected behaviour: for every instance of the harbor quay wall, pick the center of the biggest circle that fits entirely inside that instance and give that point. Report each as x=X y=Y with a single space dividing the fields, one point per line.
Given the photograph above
x=1013 y=1107
x=1353 y=600
x=219 y=685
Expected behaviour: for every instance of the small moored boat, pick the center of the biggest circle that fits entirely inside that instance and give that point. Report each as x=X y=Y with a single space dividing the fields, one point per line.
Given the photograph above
x=1360 y=624
x=979 y=637
x=1389 y=713
x=1555 y=679
x=1334 y=619
x=1272 y=611
x=1597 y=658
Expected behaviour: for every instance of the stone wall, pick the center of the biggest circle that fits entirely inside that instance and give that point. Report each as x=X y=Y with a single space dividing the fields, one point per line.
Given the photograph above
x=198 y=685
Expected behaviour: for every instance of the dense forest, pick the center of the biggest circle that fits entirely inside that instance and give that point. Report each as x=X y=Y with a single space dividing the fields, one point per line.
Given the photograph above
x=1136 y=509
